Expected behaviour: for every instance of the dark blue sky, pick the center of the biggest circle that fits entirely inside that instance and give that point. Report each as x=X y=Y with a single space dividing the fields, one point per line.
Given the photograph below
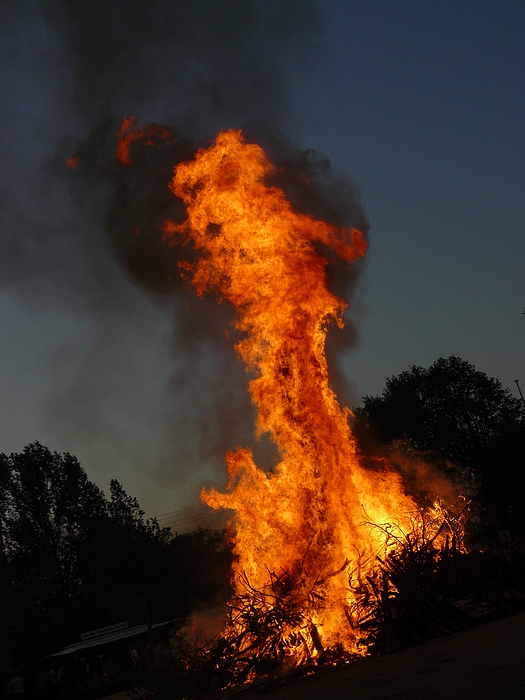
x=422 y=104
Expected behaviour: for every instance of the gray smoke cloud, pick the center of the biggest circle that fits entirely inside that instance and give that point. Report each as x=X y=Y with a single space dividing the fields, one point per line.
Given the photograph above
x=149 y=375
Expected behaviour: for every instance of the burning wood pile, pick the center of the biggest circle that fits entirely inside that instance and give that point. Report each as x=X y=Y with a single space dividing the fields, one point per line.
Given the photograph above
x=420 y=591
x=275 y=626
x=332 y=560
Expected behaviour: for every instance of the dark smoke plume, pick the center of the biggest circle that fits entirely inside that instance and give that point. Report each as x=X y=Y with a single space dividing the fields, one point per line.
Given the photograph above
x=150 y=370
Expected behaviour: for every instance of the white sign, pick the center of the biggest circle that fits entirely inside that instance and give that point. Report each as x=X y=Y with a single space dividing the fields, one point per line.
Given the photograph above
x=103 y=630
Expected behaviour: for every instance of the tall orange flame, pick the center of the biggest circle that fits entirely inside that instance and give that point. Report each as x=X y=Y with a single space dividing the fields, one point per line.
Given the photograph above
x=311 y=516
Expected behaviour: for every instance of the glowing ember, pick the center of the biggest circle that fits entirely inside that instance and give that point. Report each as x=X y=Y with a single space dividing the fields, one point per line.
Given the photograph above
x=303 y=533
x=129 y=133
x=72 y=162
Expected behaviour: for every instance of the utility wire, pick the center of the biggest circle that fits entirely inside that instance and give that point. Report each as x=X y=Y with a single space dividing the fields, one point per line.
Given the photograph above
x=182 y=510
x=178 y=519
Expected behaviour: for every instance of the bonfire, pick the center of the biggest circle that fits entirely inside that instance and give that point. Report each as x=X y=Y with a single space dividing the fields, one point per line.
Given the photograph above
x=308 y=534
x=323 y=546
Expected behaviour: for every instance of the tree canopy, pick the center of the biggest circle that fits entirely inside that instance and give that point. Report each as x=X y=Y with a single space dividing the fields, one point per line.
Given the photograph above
x=73 y=560
x=462 y=414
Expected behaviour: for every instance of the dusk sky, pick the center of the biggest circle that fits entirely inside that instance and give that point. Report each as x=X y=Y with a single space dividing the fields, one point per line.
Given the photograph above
x=420 y=105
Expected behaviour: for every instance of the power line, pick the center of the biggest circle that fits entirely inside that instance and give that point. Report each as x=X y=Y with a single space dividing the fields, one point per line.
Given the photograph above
x=181 y=511
x=188 y=513
x=189 y=516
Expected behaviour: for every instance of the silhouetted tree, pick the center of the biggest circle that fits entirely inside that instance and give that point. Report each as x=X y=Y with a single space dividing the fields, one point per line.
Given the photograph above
x=462 y=414
x=73 y=560
x=52 y=507
x=132 y=561
x=49 y=509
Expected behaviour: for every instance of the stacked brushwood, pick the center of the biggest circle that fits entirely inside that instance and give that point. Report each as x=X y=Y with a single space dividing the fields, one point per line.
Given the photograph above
x=411 y=604
x=423 y=590
x=418 y=590
x=271 y=627
x=268 y=630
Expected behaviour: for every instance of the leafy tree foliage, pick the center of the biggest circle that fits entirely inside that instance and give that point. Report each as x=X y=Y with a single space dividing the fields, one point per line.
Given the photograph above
x=461 y=413
x=73 y=560
x=51 y=508
x=132 y=561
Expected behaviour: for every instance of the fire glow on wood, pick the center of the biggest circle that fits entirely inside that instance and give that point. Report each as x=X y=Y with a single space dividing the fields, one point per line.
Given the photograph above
x=309 y=535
